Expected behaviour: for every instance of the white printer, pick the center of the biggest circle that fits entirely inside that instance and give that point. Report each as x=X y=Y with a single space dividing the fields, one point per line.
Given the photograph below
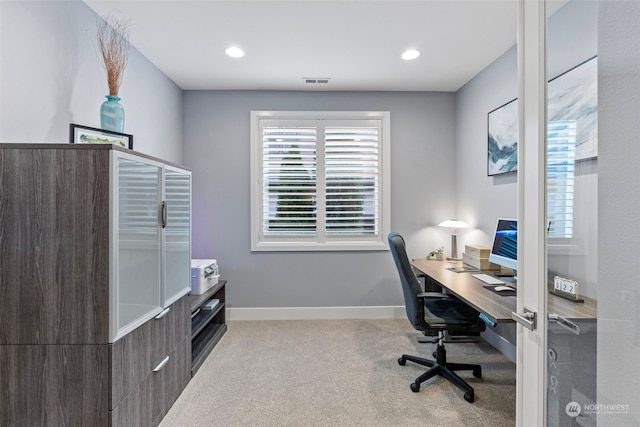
x=204 y=274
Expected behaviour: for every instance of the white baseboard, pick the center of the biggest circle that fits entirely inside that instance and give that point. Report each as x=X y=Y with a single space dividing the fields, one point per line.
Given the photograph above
x=307 y=313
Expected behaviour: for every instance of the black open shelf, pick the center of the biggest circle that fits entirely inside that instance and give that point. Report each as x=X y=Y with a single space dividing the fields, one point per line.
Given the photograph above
x=201 y=319
x=207 y=326
x=204 y=343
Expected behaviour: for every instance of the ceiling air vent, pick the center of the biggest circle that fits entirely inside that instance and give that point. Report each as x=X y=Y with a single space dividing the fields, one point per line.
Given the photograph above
x=316 y=80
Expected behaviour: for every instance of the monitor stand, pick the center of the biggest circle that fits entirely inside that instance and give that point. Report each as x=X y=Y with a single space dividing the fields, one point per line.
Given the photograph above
x=513 y=280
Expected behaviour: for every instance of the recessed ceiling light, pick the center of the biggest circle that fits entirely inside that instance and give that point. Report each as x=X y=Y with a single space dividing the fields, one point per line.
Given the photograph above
x=410 y=54
x=234 y=52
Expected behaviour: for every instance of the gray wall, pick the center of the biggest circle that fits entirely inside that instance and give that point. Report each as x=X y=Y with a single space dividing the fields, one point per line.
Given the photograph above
x=481 y=198
x=51 y=75
x=619 y=204
x=217 y=149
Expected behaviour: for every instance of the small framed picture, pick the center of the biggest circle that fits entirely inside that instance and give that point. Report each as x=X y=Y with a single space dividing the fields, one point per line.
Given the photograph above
x=86 y=135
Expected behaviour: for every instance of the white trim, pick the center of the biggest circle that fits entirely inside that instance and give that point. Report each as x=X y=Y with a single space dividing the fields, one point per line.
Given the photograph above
x=309 y=313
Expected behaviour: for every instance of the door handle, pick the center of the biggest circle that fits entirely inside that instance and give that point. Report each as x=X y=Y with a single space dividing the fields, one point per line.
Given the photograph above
x=163 y=214
x=565 y=323
x=526 y=319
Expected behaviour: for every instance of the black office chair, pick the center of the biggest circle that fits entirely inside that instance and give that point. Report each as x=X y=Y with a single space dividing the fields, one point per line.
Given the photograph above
x=434 y=311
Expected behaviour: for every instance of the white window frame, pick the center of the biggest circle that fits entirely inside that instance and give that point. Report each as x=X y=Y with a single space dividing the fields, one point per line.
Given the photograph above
x=259 y=242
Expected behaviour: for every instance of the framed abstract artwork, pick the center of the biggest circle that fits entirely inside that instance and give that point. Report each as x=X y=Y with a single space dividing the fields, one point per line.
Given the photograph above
x=502 y=125
x=572 y=109
x=573 y=101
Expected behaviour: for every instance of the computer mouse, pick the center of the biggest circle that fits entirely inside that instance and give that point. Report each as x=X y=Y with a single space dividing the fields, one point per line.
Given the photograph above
x=503 y=288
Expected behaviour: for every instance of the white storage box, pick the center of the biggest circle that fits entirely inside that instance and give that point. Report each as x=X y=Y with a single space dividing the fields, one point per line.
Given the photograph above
x=204 y=274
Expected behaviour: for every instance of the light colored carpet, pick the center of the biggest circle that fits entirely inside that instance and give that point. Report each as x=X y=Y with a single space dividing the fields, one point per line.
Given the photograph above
x=338 y=373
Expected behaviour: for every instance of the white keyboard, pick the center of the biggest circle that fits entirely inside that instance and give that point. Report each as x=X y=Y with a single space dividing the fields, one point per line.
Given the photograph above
x=488 y=279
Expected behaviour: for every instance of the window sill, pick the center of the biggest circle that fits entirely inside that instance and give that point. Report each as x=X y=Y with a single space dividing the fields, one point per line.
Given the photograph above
x=318 y=247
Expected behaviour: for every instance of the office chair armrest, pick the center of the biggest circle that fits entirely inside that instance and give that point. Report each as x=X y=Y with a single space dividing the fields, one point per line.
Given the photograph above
x=433 y=295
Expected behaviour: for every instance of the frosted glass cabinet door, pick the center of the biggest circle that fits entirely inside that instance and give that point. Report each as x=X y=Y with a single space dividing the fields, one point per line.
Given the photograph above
x=177 y=266
x=137 y=243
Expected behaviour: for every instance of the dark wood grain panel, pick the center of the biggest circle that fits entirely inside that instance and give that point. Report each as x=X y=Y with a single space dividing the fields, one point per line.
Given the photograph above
x=54 y=234
x=80 y=147
x=43 y=385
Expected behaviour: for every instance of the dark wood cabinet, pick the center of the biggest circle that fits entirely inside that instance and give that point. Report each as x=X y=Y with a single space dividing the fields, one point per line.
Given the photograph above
x=79 y=345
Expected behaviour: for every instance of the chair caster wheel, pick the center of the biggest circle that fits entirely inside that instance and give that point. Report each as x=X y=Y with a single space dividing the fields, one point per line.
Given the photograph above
x=415 y=387
x=469 y=397
x=477 y=373
x=402 y=361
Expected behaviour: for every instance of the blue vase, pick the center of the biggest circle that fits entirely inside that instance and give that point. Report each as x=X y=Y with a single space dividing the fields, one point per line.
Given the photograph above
x=112 y=114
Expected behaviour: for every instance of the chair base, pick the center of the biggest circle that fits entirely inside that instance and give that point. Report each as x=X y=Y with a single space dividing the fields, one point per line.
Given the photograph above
x=441 y=367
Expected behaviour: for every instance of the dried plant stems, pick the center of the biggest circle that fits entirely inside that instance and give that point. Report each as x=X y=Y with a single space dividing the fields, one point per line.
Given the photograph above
x=113 y=41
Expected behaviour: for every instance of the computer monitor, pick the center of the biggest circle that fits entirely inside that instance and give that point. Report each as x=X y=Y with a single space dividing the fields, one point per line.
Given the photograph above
x=504 y=251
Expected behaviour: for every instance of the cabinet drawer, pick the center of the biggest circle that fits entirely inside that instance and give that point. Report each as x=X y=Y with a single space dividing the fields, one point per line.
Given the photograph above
x=134 y=356
x=151 y=399
x=176 y=325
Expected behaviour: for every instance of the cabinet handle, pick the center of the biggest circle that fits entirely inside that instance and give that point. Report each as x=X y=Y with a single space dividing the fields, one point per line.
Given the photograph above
x=163 y=313
x=163 y=214
x=161 y=364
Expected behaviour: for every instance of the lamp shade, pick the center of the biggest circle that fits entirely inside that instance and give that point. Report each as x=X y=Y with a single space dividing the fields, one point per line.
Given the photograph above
x=453 y=223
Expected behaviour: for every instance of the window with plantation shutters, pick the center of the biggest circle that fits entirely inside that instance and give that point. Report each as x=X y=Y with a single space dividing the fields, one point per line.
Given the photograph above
x=561 y=166
x=320 y=180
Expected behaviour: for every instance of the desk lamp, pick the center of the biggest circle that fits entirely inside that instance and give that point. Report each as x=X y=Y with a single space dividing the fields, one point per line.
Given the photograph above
x=453 y=223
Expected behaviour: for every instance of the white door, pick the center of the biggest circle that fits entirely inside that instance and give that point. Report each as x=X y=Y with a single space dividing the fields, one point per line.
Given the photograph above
x=579 y=371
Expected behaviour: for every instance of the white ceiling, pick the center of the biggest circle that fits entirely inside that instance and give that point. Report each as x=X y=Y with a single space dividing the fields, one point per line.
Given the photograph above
x=356 y=44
